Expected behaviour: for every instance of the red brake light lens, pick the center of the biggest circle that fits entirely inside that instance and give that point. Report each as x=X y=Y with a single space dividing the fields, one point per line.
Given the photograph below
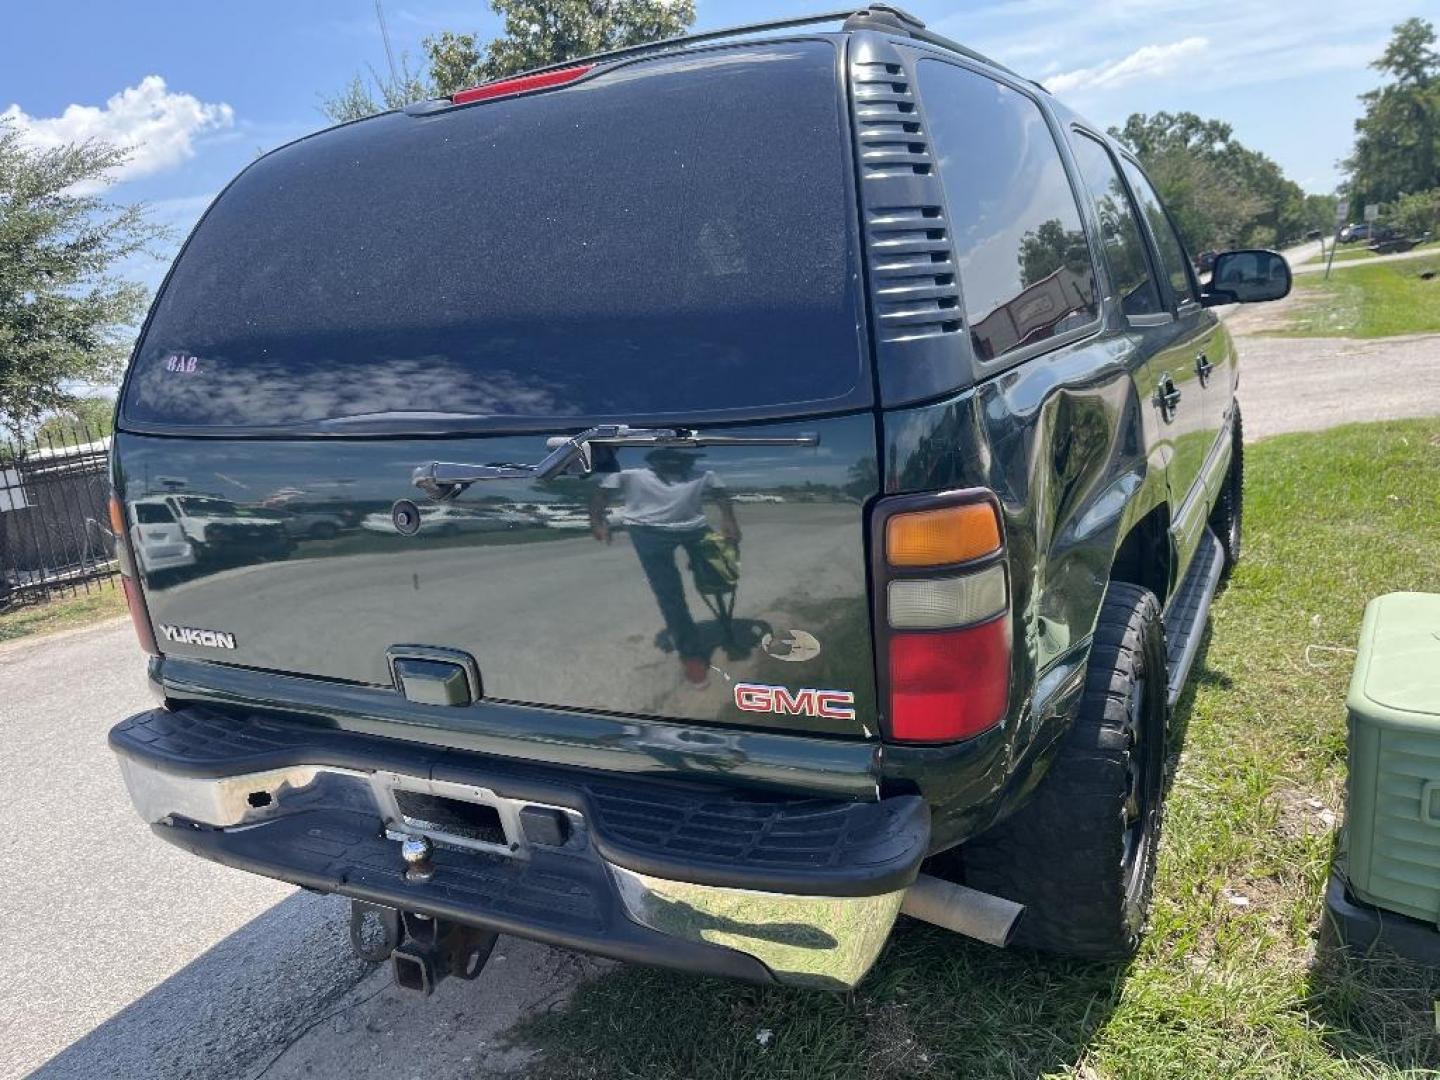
x=134 y=601
x=949 y=684
x=522 y=84
x=943 y=614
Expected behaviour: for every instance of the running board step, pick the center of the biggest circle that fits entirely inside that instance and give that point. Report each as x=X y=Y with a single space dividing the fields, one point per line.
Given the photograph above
x=1185 y=614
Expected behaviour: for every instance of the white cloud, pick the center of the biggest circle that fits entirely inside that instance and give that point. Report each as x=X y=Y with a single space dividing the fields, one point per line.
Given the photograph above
x=1146 y=62
x=158 y=125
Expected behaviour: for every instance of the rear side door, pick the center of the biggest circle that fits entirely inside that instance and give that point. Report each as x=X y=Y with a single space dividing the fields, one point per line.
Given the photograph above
x=1186 y=347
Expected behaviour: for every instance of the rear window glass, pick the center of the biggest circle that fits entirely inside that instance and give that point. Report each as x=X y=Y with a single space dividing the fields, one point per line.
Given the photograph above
x=671 y=238
x=1024 y=261
x=153 y=514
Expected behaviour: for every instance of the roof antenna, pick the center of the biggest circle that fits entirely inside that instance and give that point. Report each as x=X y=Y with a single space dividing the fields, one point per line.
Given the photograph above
x=385 y=37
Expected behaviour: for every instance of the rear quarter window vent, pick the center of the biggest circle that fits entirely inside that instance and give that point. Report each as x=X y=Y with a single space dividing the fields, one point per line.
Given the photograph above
x=891 y=142
x=912 y=272
x=917 y=317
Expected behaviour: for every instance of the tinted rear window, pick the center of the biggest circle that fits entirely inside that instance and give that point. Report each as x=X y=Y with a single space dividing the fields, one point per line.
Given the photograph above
x=671 y=238
x=1024 y=261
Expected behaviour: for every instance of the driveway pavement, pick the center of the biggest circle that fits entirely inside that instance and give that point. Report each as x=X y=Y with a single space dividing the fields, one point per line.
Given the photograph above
x=128 y=958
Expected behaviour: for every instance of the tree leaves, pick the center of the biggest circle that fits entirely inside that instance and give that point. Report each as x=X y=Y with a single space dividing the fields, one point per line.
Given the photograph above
x=1220 y=192
x=537 y=33
x=1397 y=140
x=64 y=315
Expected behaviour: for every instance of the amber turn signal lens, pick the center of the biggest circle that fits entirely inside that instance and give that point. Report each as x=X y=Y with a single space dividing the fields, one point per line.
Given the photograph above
x=117 y=517
x=953 y=534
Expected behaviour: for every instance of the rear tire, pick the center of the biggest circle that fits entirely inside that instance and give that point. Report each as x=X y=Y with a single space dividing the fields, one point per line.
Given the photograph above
x=1080 y=855
x=1227 y=518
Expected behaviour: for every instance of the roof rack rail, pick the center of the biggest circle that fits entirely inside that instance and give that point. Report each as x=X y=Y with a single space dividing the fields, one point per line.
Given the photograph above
x=895 y=20
x=882 y=17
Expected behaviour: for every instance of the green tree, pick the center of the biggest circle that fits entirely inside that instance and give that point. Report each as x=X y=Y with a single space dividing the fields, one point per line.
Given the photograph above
x=1397 y=138
x=1318 y=212
x=1416 y=214
x=1220 y=192
x=65 y=315
x=537 y=33
x=1049 y=247
x=82 y=420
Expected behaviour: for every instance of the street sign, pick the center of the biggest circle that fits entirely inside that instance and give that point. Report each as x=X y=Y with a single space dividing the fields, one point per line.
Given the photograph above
x=1342 y=211
x=1372 y=211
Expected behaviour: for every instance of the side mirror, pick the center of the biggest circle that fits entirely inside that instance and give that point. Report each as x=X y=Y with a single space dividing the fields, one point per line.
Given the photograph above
x=1247 y=277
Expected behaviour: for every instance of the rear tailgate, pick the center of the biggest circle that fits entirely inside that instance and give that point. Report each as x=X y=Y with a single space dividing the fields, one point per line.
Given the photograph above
x=460 y=287
x=512 y=574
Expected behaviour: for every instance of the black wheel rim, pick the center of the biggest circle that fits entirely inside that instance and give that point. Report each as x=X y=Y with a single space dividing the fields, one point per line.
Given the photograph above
x=1143 y=763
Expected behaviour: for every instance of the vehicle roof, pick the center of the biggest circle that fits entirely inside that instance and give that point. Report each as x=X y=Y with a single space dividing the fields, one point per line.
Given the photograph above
x=880 y=20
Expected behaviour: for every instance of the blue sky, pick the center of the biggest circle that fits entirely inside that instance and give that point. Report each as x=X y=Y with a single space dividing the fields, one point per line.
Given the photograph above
x=201 y=88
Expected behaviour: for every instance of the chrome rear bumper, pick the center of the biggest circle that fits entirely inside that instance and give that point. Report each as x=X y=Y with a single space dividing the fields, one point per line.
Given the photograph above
x=339 y=829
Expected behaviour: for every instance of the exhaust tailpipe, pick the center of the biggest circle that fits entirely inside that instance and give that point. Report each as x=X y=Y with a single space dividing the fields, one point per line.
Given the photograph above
x=982 y=916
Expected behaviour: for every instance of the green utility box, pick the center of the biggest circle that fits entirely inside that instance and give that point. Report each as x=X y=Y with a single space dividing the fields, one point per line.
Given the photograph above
x=1393 y=826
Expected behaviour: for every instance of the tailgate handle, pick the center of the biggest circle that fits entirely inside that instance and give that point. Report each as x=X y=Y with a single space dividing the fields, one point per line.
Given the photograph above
x=443 y=480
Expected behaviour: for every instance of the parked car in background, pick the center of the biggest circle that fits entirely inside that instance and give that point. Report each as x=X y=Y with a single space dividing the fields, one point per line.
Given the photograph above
x=940 y=331
x=220 y=529
x=157 y=537
x=1365 y=230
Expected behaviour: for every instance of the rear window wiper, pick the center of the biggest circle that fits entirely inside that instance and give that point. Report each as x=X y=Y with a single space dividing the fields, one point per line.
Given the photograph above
x=447 y=479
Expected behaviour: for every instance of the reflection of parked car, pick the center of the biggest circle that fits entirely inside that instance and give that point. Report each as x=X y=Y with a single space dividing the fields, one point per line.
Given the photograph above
x=452 y=520
x=159 y=540
x=559 y=517
x=950 y=320
x=312 y=524
x=212 y=523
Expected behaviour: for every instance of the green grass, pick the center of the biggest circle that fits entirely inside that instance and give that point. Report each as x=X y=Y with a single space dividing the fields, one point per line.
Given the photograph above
x=1369 y=301
x=1219 y=989
x=104 y=601
x=1362 y=253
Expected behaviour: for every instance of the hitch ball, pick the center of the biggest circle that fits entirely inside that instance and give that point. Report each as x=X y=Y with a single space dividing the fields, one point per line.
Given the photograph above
x=416 y=851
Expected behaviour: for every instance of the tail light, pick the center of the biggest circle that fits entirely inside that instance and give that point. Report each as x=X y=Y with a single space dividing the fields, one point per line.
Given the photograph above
x=943 y=615
x=521 y=84
x=139 y=615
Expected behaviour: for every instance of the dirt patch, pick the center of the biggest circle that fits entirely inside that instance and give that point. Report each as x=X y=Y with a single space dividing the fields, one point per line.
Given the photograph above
x=1300 y=814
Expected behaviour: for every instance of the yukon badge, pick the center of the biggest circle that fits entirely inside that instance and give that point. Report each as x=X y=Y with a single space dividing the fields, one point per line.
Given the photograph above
x=193 y=635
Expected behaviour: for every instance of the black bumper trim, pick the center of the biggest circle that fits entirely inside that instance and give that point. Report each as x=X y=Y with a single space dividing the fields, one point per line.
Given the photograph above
x=564 y=900
x=700 y=833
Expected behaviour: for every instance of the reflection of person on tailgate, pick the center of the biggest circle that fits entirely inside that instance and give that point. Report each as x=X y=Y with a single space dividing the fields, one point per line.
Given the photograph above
x=663 y=510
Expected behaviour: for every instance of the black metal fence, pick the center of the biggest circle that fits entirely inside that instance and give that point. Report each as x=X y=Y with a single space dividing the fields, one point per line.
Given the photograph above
x=55 y=537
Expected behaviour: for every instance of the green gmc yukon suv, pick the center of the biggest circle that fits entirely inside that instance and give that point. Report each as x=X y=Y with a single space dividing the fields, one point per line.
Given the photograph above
x=691 y=504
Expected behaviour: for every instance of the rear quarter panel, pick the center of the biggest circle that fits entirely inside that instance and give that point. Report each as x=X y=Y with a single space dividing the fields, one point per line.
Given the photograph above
x=1067 y=442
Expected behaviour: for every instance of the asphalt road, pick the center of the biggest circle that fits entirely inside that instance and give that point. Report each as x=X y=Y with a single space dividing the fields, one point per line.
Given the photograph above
x=127 y=958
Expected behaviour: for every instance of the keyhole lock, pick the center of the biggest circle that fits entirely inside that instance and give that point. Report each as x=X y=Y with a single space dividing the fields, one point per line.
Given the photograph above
x=405 y=516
